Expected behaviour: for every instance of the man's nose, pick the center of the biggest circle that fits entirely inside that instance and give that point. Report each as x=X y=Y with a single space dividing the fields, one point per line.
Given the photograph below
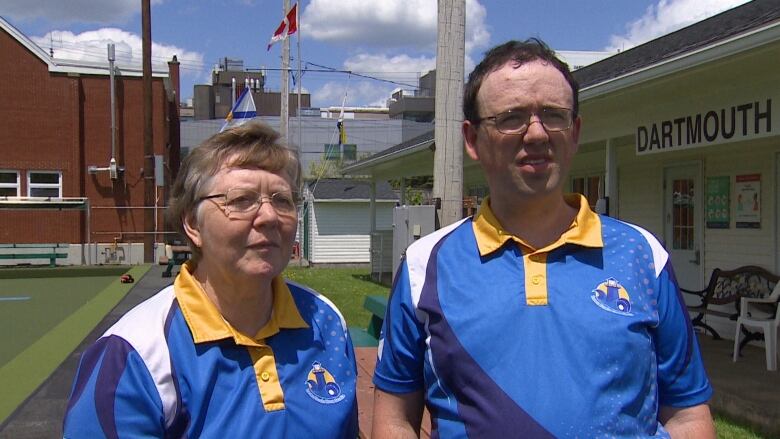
x=535 y=132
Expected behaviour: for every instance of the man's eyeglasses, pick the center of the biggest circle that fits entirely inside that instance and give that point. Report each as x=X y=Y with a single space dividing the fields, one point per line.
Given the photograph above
x=242 y=203
x=518 y=121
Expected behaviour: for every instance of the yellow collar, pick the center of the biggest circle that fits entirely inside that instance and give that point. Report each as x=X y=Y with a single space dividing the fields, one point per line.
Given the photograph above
x=585 y=230
x=207 y=324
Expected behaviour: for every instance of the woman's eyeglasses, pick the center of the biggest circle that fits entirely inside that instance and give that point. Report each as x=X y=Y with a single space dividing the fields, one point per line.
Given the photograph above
x=244 y=203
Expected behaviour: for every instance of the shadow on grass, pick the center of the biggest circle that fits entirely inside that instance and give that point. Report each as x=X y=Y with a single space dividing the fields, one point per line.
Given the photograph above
x=366 y=277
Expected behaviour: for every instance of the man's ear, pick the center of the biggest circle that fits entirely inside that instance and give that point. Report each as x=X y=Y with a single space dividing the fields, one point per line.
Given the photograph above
x=469 y=131
x=191 y=228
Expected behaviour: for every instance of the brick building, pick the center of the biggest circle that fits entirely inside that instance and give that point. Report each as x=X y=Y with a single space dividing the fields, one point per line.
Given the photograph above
x=55 y=131
x=228 y=79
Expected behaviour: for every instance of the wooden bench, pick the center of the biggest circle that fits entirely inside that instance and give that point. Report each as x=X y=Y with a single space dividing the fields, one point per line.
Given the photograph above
x=179 y=255
x=729 y=286
x=39 y=251
x=377 y=305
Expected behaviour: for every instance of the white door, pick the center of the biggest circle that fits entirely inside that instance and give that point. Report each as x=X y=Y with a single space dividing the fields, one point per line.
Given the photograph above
x=683 y=223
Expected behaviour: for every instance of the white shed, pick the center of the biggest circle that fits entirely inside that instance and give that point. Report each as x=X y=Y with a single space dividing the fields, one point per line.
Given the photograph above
x=337 y=219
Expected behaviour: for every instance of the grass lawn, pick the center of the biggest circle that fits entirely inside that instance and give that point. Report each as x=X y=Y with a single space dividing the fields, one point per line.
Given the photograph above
x=44 y=315
x=346 y=287
x=29 y=308
x=730 y=430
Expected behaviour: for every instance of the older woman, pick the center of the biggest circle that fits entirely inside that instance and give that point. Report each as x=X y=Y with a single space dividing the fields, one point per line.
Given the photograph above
x=230 y=349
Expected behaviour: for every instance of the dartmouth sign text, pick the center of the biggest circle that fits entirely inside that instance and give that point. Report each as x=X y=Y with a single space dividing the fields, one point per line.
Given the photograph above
x=718 y=125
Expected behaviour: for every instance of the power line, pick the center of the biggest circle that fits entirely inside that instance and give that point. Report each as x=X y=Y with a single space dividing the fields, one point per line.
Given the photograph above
x=71 y=47
x=361 y=75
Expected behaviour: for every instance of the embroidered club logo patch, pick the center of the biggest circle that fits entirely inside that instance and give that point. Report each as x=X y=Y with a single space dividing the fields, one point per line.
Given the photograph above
x=321 y=386
x=611 y=296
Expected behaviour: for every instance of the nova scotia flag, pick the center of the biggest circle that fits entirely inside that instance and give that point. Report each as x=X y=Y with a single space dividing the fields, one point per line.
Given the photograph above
x=243 y=111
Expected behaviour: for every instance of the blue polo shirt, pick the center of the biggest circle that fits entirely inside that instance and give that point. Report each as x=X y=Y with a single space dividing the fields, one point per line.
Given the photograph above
x=585 y=337
x=173 y=367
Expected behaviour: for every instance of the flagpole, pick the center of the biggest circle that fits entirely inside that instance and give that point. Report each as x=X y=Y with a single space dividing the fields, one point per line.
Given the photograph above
x=300 y=78
x=301 y=221
x=285 y=86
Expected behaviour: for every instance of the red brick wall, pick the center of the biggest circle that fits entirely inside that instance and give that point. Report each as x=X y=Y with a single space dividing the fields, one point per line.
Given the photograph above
x=54 y=121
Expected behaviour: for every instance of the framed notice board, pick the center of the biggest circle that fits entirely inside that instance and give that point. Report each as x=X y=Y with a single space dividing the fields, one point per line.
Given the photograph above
x=747 y=189
x=717 y=206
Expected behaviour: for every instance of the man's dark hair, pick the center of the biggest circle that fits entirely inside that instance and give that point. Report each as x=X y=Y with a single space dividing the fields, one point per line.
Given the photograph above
x=518 y=52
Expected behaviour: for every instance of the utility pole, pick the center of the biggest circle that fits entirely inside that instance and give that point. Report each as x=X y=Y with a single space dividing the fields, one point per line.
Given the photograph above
x=285 y=109
x=149 y=189
x=448 y=157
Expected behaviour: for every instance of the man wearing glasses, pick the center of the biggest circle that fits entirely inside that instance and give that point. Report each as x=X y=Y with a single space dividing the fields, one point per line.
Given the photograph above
x=537 y=317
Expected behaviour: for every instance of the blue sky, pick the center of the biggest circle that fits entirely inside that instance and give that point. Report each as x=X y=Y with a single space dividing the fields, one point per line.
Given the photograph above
x=390 y=39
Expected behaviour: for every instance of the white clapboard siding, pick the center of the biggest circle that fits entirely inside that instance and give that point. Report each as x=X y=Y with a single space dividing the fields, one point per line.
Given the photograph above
x=733 y=247
x=640 y=190
x=340 y=231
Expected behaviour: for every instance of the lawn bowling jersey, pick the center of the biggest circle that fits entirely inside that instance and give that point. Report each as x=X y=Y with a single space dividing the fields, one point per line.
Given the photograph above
x=173 y=367
x=585 y=337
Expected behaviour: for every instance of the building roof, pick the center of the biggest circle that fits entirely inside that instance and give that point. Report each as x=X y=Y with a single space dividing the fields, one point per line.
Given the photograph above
x=341 y=189
x=720 y=27
x=59 y=65
x=422 y=141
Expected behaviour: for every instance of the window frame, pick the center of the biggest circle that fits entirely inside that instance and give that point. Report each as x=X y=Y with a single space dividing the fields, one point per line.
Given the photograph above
x=31 y=186
x=331 y=152
x=17 y=185
x=350 y=148
x=586 y=177
x=334 y=152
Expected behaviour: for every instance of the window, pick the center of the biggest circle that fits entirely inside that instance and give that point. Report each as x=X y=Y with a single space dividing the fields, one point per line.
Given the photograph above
x=44 y=184
x=349 y=152
x=589 y=187
x=683 y=211
x=345 y=152
x=332 y=152
x=9 y=183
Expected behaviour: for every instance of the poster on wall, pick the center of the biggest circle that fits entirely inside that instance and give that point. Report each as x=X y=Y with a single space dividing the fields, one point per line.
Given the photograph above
x=747 y=189
x=717 y=206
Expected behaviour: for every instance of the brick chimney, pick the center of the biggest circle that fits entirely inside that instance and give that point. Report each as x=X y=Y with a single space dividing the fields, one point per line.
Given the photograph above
x=173 y=74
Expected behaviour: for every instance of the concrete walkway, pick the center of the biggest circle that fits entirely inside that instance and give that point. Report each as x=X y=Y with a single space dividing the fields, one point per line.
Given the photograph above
x=744 y=390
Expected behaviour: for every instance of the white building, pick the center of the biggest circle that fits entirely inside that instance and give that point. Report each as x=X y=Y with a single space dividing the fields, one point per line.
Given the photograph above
x=337 y=220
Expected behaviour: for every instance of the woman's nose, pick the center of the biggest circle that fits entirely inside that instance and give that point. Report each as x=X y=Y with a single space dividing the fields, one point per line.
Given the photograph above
x=266 y=212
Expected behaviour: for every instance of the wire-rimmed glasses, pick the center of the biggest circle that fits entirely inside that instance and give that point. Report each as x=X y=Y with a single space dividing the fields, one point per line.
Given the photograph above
x=517 y=121
x=242 y=203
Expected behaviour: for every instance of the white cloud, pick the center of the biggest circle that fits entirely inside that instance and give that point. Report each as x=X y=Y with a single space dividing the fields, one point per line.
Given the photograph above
x=387 y=23
x=91 y=46
x=388 y=28
x=401 y=68
x=81 y=11
x=477 y=33
x=383 y=23
x=359 y=93
x=668 y=16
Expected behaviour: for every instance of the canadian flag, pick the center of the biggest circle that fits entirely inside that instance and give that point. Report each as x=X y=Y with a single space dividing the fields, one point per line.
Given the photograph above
x=288 y=26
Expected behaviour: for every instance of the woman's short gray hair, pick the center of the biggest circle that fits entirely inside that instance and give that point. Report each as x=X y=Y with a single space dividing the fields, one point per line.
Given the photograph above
x=251 y=145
